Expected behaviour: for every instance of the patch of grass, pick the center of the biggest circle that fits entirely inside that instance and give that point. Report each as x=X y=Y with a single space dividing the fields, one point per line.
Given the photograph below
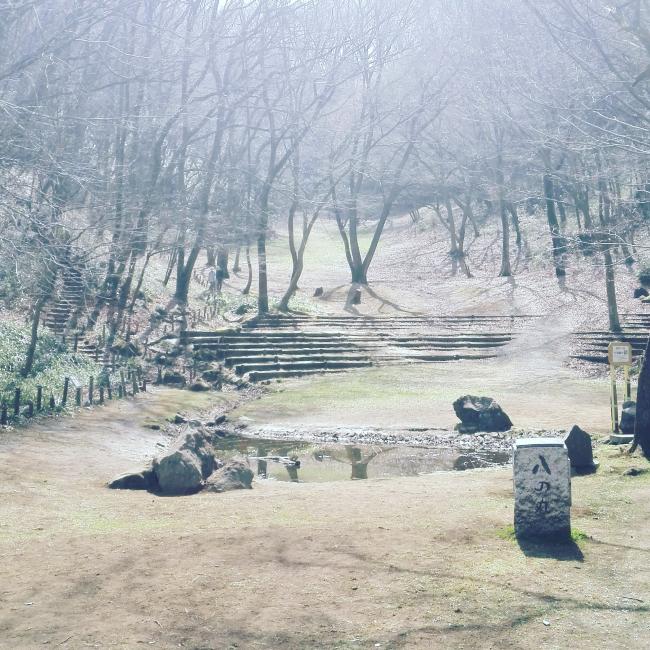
x=507 y=533
x=52 y=364
x=578 y=535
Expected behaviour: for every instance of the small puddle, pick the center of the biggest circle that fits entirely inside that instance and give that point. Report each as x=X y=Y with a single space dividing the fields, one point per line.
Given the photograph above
x=310 y=462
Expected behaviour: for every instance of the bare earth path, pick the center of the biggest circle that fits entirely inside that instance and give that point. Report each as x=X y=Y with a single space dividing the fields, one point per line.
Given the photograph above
x=400 y=563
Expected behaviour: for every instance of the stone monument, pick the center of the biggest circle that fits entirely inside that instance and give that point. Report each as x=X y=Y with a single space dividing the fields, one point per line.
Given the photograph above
x=542 y=481
x=581 y=455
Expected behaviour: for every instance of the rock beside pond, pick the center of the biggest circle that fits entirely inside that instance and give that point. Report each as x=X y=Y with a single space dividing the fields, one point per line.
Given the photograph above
x=179 y=473
x=172 y=378
x=235 y=475
x=144 y=480
x=628 y=418
x=184 y=468
x=480 y=414
x=200 y=386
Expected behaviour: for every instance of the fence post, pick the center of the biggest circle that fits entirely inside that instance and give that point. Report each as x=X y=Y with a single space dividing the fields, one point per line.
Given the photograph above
x=39 y=398
x=134 y=382
x=101 y=394
x=66 y=383
x=122 y=383
x=77 y=397
x=17 y=402
x=76 y=342
x=30 y=409
x=144 y=384
x=120 y=391
x=109 y=389
x=52 y=401
x=91 y=389
x=4 y=419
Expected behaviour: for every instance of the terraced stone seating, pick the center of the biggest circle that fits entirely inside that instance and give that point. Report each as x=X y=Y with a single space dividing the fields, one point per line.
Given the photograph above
x=282 y=346
x=592 y=344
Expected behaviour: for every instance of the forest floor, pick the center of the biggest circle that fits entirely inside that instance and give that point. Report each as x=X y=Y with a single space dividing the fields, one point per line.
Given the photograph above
x=413 y=562
x=422 y=562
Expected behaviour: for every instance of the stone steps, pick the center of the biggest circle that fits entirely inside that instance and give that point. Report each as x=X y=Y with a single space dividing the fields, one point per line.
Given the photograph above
x=269 y=375
x=233 y=361
x=272 y=352
x=300 y=366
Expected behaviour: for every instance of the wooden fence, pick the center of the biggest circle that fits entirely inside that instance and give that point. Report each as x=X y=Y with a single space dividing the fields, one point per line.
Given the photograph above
x=129 y=384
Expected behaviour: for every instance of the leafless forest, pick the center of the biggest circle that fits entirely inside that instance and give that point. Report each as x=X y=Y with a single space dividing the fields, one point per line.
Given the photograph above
x=139 y=130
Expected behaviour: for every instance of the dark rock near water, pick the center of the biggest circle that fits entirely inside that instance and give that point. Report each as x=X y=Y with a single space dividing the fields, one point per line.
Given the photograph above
x=144 y=480
x=184 y=468
x=480 y=414
x=179 y=472
x=319 y=292
x=641 y=292
x=578 y=444
x=200 y=386
x=233 y=476
x=628 y=418
x=212 y=375
x=173 y=379
x=179 y=419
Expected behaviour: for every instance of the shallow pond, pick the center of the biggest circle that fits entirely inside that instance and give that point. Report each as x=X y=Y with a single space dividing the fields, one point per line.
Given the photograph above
x=300 y=461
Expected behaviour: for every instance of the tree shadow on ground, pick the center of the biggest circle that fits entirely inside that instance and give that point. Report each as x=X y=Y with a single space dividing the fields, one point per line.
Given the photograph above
x=564 y=550
x=385 y=302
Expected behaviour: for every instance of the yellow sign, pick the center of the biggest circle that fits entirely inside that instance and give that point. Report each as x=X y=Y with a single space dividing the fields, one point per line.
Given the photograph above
x=619 y=353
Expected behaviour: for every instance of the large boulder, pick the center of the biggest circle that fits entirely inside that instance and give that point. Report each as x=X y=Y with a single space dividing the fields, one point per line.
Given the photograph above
x=200 y=386
x=144 y=480
x=199 y=444
x=179 y=472
x=628 y=418
x=184 y=468
x=480 y=414
x=235 y=475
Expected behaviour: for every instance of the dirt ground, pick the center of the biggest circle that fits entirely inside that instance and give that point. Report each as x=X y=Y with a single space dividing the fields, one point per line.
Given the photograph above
x=421 y=562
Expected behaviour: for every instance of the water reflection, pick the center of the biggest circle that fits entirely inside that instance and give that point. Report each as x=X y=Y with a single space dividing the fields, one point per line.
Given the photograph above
x=309 y=462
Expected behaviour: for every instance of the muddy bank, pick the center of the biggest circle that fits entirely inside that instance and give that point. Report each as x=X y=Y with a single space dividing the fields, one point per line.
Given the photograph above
x=411 y=436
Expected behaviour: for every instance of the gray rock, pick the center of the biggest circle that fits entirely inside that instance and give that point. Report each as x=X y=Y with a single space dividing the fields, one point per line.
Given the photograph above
x=578 y=444
x=480 y=414
x=198 y=444
x=173 y=378
x=628 y=418
x=144 y=480
x=212 y=375
x=200 y=386
x=179 y=419
x=184 y=468
x=179 y=473
x=233 y=476
x=318 y=292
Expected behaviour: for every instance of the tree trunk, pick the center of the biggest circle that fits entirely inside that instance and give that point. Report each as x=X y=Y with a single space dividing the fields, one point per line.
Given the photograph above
x=249 y=282
x=610 y=285
x=222 y=261
x=33 y=341
x=554 y=226
x=236 y=268
x=642 y=425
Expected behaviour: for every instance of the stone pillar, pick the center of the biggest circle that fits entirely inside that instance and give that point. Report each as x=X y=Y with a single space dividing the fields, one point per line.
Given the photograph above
x=542 y=480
